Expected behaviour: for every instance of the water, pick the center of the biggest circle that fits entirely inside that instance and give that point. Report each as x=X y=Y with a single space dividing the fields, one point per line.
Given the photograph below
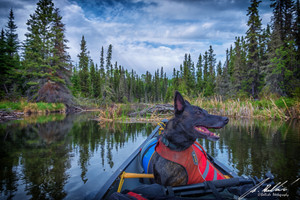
x=71 y=157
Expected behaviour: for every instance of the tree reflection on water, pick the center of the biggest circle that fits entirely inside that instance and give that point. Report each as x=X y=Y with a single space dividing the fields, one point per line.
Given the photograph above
x=36 y=157
x=254 y=147
x=65 y=157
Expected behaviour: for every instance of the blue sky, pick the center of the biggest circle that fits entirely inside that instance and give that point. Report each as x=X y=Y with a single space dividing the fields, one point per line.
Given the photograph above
x=146 y=34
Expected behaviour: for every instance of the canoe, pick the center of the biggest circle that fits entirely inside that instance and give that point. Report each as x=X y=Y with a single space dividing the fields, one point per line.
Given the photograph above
x=133 y=170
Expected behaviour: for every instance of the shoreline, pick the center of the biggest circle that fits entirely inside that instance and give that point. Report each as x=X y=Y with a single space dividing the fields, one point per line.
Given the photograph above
x=278 y=109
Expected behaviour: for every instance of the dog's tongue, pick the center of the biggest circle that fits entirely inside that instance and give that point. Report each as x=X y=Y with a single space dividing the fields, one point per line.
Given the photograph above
x=206 y=133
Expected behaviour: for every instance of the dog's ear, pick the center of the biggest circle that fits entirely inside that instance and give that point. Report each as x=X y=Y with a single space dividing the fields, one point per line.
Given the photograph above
x=186 y=102
x=179 y=103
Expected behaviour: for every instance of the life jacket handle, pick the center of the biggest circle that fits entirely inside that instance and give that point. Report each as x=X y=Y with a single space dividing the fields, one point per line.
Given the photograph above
x=201 y=148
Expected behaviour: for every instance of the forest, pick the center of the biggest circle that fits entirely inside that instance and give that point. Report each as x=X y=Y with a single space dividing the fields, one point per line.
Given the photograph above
x=263 y=62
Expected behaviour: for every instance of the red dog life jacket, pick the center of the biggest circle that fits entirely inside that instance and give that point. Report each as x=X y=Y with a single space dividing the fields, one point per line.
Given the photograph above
x=198 y=167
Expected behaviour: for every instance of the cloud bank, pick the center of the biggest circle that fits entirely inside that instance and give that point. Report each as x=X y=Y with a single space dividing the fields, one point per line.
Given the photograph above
x=146 y=34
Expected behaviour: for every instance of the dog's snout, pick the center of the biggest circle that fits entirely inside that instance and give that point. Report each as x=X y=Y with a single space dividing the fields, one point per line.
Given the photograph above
x=226 y=120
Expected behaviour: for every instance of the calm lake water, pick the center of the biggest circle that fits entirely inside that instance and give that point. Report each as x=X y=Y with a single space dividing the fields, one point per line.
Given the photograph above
x=71 y=157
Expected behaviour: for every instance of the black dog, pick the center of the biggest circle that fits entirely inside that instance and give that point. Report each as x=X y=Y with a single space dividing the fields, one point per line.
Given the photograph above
x=190 y=122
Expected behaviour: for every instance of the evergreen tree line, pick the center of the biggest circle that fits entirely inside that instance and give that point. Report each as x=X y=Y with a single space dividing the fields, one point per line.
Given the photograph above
x=42 y=72
x=112 y=83
x=264 y=61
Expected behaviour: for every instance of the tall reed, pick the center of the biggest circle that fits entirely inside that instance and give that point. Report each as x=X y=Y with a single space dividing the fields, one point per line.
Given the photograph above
x=249 y=108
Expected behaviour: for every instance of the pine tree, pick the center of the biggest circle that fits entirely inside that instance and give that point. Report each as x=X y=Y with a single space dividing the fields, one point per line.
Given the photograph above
x=11 y=76
x=191 y=76
x=252 y=38
x=162 y=85
x=205 y=72
x=210 y=86
x=185 y=68
x=116 y=79
x=75 y=80
x=122 y=89
x=282 y=52
x=84 y=68
x=102 y=63
x=12 y=37
x=296 y=72
x=61 y=58
x=219 y=78
x=199 y=76
x=263 y=55
x=93 y=77
x=97 y=90
x=148 y=86
x=239 y=68
x=108 y=61
x=3 y=66
x=45 y=56
x=211 y=62
x=297 y=30
x=230 y=61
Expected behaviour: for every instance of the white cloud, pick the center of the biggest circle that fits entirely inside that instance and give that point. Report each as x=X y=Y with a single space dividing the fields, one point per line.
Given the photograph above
x=157 y=34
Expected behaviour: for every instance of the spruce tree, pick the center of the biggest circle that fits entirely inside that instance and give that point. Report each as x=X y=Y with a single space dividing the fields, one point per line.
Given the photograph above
x=45 y=59
x=219 y=78
x=210 y=87
x=3 y=66
x=191 y=76
x=84 y=68
x=93 y=77
x=282 y=53
x=211 y=62
x=296 y=72
x=122 y=88
x=116 y=79
x=61 y=58
x=11 y=76
x=102 y=70
x=297 y=30
x=199 y=87
x=75 y=80
x=205 y=72
x=108 y=61
x=97 y=90
x=12 y=38
x=239 y=68
x=252 y=38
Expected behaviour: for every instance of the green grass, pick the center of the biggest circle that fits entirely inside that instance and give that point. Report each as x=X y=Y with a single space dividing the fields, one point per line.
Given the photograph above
x=6 y=105
x=24 y=106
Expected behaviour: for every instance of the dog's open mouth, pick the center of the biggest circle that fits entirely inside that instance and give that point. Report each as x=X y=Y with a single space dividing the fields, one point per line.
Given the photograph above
x=207 y=134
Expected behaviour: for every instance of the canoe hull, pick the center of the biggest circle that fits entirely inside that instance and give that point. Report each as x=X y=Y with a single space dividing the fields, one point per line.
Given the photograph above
x=133 y=165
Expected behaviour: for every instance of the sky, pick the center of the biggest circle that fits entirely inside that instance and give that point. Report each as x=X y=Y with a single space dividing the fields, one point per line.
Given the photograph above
x=146 y=34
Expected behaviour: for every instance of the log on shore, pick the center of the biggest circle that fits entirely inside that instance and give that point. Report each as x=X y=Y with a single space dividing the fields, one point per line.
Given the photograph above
x=7 y=116
x=158 y=109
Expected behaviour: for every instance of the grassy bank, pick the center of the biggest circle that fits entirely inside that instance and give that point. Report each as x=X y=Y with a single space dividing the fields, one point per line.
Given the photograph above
x=28 y=107
x=280 y=108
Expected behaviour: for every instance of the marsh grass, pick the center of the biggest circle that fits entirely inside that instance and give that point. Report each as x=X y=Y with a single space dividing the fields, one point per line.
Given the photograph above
x=268 y=108
x=28 y=107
